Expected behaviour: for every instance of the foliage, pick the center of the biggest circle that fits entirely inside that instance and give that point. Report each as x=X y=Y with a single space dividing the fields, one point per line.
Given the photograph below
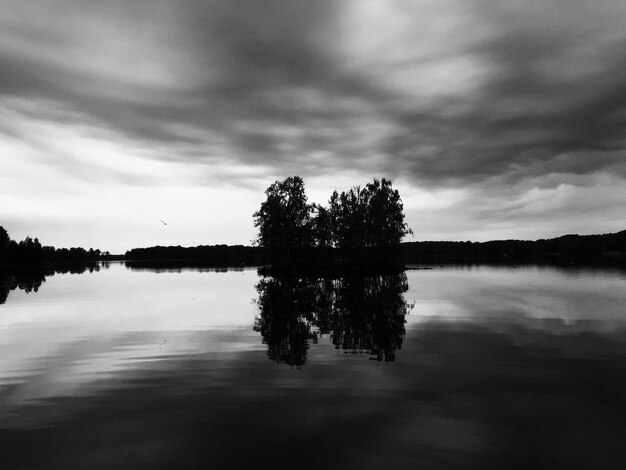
x=369 y=217
x=27 y=250
x=357 y=219
x=284 y=219
x=203 y=255
x=384 y=214
x=30 y=251
x=4 y=243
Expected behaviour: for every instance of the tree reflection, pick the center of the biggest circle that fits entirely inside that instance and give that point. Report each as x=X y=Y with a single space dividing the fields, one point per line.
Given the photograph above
x=364 y=314
x=28 y=281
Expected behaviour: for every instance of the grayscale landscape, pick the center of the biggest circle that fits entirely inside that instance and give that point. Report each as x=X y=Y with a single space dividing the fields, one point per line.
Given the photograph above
x=331 y=234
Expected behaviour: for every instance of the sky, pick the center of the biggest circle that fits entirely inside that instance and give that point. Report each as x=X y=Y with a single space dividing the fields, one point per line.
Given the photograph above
x=494 y=119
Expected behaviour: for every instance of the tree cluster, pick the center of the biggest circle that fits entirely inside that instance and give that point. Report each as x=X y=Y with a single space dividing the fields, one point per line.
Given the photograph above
x=353 y=221
x=203 y=255
x=31 y=251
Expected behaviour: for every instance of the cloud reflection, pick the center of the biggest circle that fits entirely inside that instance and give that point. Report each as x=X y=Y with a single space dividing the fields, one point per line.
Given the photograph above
x=497 y=366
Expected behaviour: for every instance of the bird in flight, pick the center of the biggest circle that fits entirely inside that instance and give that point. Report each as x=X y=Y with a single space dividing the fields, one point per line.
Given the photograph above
x=164 y=223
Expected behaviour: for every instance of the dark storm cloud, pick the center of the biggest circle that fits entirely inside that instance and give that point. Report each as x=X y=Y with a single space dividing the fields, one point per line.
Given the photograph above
x=553 y=100
x=250 y=66
x=273 y=84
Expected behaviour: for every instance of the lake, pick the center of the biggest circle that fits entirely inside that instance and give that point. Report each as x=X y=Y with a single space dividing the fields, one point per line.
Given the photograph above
x=449 y=367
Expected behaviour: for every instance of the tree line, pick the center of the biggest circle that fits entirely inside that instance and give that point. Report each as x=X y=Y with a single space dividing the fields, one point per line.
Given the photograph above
x=204 y=255
x=568 y=249
x=360 y=225
x=31 y=251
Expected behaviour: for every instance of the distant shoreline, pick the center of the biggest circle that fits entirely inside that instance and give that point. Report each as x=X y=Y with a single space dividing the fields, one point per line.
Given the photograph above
x=604 y=249
x=564 y=250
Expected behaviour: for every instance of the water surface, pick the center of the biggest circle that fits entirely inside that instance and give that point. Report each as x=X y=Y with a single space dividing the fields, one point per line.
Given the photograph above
x=480 y=367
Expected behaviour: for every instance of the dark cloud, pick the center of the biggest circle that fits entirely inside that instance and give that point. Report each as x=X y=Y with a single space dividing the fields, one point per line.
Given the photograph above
x=270 y=84
x=554 y=99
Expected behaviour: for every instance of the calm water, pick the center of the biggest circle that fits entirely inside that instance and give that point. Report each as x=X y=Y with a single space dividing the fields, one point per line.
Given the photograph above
x=442 y=368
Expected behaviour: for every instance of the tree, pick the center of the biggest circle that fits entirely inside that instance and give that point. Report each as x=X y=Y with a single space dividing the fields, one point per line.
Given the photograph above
x=351 y=222
x=4 y=243
x=370 y=217
x=325 y=223
x=284 y=219
x=385 y=216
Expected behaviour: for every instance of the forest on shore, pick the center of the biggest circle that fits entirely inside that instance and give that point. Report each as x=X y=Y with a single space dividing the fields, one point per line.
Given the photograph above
x=565 y=250
x=607 y=248
x=31 y=252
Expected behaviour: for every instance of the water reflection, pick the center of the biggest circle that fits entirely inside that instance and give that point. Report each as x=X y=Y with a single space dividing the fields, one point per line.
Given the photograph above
x=30 y=279
x=499 y=368
x=178 y=266
x=27 y=281
x=364 y=314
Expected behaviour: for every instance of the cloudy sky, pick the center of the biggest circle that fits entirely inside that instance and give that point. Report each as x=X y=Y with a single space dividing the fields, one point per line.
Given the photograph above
x=494 y=119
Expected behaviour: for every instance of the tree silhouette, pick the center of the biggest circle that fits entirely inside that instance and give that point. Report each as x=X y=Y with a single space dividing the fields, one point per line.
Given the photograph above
x=323 y=226
x=4 y=244
x=284 y=219
x=351 y=219
x=385 y=215
x=361 y=223
x=368 y=217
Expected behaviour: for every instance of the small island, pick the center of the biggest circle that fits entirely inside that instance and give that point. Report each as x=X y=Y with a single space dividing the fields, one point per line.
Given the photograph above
x=359 y=228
